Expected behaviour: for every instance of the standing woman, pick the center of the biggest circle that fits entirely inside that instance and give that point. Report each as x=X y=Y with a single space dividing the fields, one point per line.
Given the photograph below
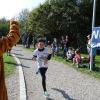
x=7 y=43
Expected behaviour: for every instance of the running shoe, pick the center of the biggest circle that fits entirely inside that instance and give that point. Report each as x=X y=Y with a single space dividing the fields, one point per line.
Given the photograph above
x=46 y=94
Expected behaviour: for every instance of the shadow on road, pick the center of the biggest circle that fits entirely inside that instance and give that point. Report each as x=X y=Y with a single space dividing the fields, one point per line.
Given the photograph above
x=25 y=66
x=18 y=54
x=25 y=58
x=65 y=95
x=16 y=50
x=49 y=98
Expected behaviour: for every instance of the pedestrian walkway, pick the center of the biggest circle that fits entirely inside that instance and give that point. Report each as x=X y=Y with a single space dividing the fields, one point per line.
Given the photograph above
x=13 y=86
x=63 y=82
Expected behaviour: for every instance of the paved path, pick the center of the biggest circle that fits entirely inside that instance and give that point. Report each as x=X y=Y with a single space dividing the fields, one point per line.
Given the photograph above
x=63 y=82
x=13 y=85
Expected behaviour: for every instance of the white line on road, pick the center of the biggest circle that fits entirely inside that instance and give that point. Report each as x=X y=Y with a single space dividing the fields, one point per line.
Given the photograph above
x=21 y=79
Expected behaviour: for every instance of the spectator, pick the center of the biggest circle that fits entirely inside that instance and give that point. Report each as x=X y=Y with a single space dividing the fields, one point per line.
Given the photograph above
x=24 y=39
x=66 y=45
x=29 y=40
x=93 y=52
x=77 y=58
x=62 y=41
x=70 y=54
x=55 y=47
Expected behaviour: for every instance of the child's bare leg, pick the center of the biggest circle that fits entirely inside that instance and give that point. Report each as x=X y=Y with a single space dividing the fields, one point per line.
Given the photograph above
x=73 y=61
x=77 y=62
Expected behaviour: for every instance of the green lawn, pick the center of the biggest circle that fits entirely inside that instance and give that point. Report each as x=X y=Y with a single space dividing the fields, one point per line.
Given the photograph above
x=10 y=64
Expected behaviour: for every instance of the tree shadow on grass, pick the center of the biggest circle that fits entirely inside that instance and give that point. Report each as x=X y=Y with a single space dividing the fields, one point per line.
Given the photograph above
x=84 y=65
x=65 y=95
x=96 y=69
x=97 y=63
x=12 y=63
x=15 y=64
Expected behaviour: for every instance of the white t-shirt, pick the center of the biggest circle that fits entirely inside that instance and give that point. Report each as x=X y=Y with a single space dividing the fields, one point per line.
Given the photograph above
x=40 y=57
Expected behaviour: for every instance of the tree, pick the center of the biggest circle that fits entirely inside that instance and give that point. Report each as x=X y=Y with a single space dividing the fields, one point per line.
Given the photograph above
x=97 y=13
x=63 y=17
x=23 y=16
x=4 y=27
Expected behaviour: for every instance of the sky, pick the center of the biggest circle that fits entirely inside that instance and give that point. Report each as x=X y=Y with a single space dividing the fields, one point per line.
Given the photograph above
x=11 y=8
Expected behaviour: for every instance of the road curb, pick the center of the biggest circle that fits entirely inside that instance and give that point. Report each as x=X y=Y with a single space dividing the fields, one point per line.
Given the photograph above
x=21 y=79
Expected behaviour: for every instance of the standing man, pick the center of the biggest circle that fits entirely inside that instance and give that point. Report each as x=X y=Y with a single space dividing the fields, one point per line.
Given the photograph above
x=7 y=43
x=93 y=52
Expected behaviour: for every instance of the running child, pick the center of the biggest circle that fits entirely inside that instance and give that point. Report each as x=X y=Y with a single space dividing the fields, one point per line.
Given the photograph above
x=42 y=56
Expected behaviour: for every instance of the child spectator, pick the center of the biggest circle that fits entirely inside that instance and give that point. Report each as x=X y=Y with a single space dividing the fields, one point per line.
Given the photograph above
x=77 y=59
x=42 y=56
x=70 y=54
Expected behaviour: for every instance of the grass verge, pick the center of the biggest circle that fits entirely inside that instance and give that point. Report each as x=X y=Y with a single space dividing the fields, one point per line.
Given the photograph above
x=9 y=64
x=84 y=68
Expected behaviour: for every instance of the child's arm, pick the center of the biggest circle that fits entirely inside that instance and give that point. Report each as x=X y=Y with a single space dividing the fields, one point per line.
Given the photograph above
x=49 y=53
x=34 y=58
x=49 y=56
